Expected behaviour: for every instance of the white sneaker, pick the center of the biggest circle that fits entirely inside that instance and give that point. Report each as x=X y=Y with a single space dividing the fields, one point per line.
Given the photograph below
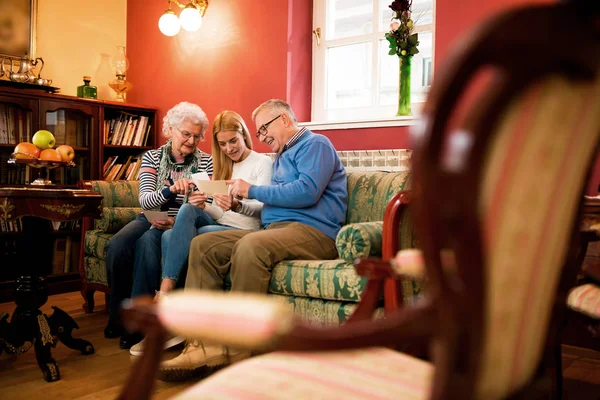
x=138 y=349
x=198 y=360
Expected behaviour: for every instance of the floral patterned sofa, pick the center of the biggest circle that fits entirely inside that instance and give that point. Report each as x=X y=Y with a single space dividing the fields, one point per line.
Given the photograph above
x=323 y=291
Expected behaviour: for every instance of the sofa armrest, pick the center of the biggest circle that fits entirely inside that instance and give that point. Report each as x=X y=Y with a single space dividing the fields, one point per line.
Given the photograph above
x=115 y=218
x=359 y=240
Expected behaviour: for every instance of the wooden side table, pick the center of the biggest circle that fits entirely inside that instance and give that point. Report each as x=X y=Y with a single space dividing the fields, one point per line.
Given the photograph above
x=28 y=326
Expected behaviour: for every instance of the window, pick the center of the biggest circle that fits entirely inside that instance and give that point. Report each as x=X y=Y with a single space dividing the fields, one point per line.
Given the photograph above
x=354 y=77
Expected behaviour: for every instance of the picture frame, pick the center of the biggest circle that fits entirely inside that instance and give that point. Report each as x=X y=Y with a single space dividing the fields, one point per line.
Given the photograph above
x=18 y=20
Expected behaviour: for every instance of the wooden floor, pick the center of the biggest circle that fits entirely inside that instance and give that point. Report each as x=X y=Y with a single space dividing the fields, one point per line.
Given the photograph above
x=101 y=375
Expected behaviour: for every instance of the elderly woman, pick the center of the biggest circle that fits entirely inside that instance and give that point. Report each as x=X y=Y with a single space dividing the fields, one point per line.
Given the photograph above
x=133 y=256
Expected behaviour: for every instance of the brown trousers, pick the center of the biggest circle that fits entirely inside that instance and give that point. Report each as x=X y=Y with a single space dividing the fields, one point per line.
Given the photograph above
x=251 y=255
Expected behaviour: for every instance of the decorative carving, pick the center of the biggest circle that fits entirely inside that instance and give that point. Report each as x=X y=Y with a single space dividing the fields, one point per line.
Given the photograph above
x=64 y=209
x=5 y=209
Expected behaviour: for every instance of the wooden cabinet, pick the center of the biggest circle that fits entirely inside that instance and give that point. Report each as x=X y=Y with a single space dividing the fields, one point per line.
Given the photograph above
x=102 y=133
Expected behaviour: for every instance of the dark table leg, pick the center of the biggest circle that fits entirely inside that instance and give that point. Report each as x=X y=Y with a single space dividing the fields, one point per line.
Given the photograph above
x=29 y=325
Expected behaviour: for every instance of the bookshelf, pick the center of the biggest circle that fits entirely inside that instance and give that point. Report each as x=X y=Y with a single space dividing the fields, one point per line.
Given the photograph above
x=85 y=125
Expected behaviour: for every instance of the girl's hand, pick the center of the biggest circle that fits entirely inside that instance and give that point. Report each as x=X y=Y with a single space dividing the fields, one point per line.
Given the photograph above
x=182 y=186
x=197 y=199
x=225 y=201
x=164 y=224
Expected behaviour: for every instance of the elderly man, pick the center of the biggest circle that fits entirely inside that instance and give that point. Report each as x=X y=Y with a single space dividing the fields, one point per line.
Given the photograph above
x=304 y=208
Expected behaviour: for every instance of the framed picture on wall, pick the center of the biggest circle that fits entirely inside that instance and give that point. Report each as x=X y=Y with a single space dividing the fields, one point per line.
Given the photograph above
x=17 y=28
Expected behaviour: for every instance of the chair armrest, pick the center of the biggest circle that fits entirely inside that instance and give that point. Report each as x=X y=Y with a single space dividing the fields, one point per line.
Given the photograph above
x=408 y=263
x=115 y=218
x=243 y=320
x=592 y=271
x=359 y=240
x=259 y=323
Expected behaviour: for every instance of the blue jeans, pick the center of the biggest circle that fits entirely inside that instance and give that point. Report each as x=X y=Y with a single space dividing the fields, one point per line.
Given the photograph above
x=120 y=256
x=190 y=222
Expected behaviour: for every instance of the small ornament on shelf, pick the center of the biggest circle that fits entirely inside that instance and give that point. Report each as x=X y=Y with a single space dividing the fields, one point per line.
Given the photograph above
x=86 y=90
x=120 y=64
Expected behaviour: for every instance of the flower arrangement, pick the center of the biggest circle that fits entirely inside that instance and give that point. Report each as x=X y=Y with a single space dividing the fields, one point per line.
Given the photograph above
x=402 y=41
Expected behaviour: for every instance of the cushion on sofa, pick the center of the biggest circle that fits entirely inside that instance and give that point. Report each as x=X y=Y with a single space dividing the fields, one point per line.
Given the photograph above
x=370 y=192
x=118 y=193
x=320 y=279
x=359 y=240
x=115 y=218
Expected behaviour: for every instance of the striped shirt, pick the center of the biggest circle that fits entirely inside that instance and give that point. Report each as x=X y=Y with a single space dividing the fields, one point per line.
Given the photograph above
x=150 y=198
x=292 y=141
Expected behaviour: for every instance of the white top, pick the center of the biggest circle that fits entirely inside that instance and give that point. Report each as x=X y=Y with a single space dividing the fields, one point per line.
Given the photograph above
x=256 y=169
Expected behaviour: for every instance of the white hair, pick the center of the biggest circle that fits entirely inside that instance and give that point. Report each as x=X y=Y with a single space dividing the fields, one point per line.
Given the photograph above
x=184 y=111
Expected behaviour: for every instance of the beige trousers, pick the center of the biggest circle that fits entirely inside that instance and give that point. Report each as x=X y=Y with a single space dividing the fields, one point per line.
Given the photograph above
x=250 y=255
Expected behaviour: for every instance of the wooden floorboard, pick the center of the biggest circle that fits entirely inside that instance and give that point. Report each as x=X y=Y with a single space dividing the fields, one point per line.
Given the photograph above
x=101 y=375
x=97 y=376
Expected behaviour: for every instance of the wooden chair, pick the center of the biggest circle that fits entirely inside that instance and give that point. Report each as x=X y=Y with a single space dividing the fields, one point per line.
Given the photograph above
x=496 y=201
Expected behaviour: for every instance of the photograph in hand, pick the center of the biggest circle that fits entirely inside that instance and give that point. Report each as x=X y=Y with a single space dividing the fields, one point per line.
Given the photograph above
x=152 y=216
x=212 y=187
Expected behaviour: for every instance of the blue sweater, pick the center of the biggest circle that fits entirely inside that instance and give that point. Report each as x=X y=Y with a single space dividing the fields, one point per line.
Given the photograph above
x=308 y=185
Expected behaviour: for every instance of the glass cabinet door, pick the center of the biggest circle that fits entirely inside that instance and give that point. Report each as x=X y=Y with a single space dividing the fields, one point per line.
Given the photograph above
x=18 y=122
x=73 y=125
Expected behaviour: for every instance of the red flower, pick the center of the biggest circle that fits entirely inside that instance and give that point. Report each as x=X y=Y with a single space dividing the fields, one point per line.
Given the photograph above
x=400 y=5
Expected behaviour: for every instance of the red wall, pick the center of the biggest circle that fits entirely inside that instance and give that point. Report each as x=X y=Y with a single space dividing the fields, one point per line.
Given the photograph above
x=247 y=52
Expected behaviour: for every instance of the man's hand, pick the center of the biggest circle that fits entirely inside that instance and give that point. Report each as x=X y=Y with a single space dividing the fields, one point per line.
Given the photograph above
x=239 y=188
x=182 y=186
x=225 y=201
x=197 y=199
x=164 y=224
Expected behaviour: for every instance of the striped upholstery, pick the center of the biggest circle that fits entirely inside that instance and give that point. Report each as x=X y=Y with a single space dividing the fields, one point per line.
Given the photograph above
x=586 y=300
x=377 y=373
x=534 y=172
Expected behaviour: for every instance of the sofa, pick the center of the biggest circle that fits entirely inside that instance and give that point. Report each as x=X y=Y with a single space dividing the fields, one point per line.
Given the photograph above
x=321 y=291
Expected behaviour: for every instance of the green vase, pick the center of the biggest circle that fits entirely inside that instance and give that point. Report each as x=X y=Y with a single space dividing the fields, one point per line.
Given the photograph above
x=404 y=90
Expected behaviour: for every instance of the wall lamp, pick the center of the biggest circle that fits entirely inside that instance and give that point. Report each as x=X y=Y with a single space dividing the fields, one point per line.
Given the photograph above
x=189 y=19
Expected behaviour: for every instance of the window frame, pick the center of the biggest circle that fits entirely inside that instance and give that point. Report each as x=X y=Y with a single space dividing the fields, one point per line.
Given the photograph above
x=319 y=71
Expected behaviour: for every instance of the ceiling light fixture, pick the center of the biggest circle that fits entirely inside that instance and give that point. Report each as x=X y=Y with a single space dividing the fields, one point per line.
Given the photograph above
x=189 y=19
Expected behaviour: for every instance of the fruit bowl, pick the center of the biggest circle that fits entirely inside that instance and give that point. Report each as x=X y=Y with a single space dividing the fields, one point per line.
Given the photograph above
x=43 y=165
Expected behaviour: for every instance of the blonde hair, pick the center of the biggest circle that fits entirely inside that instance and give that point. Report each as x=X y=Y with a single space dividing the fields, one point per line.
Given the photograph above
x=226 y=121
x=275 y=107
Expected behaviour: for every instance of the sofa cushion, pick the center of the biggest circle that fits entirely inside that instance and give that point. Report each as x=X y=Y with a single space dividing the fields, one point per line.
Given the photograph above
x=95 y=243
x=118 y=193
x=115 y=218
x=317 y=311
x=370 y=192
x=319 y=279
x=359 y=240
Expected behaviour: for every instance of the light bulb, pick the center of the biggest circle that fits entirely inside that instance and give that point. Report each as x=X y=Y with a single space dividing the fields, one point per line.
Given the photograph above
x=169 y=23
x=190 y=18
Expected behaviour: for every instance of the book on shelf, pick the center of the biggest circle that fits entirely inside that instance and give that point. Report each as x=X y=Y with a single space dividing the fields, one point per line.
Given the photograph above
x=126 y=129
x=122 y=167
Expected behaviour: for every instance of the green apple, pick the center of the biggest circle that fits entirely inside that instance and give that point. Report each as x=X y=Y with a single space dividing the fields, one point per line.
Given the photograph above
x=44 y=139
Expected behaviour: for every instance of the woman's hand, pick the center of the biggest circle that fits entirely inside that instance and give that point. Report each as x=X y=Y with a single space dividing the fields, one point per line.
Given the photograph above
x=182 y=186
x=225 y=201
x=197 y=199
x=164 y=224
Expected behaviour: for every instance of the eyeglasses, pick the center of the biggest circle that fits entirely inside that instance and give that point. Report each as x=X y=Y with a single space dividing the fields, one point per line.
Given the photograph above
x=186 y=135
x=262 y=131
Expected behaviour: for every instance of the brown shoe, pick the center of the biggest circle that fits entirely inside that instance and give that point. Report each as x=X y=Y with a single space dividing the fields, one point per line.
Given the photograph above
x=198 y=360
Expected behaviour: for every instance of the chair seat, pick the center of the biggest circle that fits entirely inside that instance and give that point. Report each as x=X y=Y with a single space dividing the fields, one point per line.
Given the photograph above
x=586 y=300
x=375 y=373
